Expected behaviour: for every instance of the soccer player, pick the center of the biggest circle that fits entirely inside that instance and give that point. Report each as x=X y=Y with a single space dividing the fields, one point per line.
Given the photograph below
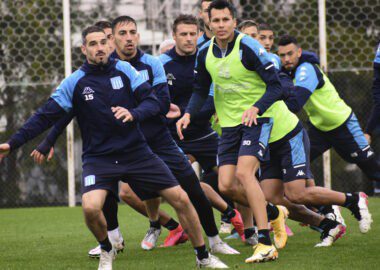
x=250 y=28
x=246 y=85
x=160 y=141
x=332 y=124
x=109 y=98
x=200 y=141
x=373 y=121
x=107 y=28
x=204 y=20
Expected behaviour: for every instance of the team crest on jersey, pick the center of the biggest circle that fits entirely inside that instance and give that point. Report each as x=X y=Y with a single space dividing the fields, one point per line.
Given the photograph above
x=170 y=77
x=144 y=73
x=224 y=72
x=117 y=83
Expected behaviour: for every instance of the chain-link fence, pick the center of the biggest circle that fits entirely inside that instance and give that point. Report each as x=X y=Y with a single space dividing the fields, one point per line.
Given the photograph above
x=32 y=64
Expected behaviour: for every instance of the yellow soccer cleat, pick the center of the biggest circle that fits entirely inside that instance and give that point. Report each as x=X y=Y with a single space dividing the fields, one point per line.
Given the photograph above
x=279 y=228
x=263 y=253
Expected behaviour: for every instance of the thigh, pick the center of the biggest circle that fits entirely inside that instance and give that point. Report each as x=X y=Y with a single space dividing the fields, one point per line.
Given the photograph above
x=93 y=180
x=294 y=188
x=94 y=199
x=228 y=147
x=318 y=142
x=349 y=142
x=255 y=139
x=294 y=155
x=226 y=175
x=149 y=175
x=273 y=190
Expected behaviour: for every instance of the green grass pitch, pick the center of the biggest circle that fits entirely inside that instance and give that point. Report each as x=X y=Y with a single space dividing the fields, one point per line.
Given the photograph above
x=57 y=238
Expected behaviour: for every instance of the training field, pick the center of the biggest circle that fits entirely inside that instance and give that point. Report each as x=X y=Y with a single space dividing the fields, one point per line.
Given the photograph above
x=57 y=238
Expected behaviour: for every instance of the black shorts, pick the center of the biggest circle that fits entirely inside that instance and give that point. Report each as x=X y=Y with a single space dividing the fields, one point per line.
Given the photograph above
x=245 y=141
x=289 y=158
x=144 y=172
x=348 y=140
x=204 y=150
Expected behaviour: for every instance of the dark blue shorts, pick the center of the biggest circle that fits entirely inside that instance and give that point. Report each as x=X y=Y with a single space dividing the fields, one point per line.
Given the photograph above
x=144 y=172
x=169 y=152
x=289 y=158
x=204 y=150
x=349 y=142
x=244 y=141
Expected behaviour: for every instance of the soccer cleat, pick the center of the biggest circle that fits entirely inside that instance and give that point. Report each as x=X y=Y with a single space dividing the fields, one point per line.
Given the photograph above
x=329 y=236
x=278 y=225
x=175 y=237
x=237 y=222
x=253 y=240
x=106 y=258
x=362 y=214
x=336 y=215
x=211 y=262
x=263 y=253
x=223 y=248
x=150 y=240
x=225 y=228
x=95 y=252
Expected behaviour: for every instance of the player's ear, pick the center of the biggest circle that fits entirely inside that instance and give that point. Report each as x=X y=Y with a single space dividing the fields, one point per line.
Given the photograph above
x=83 y=48
x=299 y=52
x=235 y=23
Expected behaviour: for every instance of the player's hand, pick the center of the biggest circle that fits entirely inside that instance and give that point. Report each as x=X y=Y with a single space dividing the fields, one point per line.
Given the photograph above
x=216 y=119
x=183 y=124
x=368 y=138
x=4 y=150
x=250 y=116
x=174 y=112
x=39 y=158
x=122 y=113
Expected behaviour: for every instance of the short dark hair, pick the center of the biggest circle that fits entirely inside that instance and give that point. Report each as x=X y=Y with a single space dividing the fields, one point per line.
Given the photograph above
x=222 y=4
x=185 y=19
x=286 y=40
x=89 y=30
x=247 y=23
x=123 y=19
x=265 y=27
x=103 y=24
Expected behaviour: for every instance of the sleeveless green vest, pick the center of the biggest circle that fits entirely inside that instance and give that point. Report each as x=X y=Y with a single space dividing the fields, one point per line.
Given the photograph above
x=236 y=89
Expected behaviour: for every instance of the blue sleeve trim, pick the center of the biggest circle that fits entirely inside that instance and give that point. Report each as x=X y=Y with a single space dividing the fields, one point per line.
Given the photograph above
x=134 y=76
x=275 y=59
x=63 y=95
x=257 y=48
x=200 y=40
x=164 y=58
x=377 y=56
x=306 y=77
x=158 y=70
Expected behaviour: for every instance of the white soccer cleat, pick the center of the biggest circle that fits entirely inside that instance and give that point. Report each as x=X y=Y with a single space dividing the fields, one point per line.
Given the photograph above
x=95 y=252
x=365 y=219
x=223 y=248
x=211 y=262
x=106 y=259
x=150 y=240
x=225 y=228
x=336 y=215
x=330 y=236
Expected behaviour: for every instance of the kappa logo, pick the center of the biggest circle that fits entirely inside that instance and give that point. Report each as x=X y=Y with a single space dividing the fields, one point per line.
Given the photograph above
x=261 y=51
x=284 y=171
x=369 y=153
x=117 y=83
x=300 y=173
x=260 y=153
x=88 y=93
x=170 y=77
x=89 y=180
